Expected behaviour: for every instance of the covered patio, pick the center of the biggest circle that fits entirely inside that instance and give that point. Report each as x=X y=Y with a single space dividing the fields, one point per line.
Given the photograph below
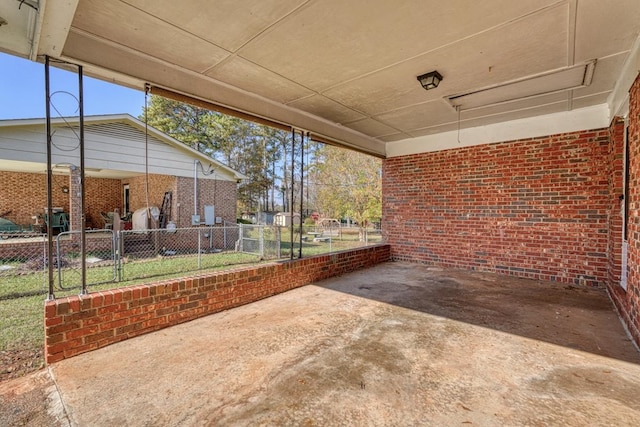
x=396 y=344
x=520 y=165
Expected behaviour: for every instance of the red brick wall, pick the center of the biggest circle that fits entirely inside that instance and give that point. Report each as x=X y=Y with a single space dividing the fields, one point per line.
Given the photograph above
x=78 y=324
x=532 y=208
x=221 y=194
x=158 y=185
x=101 y=195
x=37 y=247
x=628 y=302
x=25 y=195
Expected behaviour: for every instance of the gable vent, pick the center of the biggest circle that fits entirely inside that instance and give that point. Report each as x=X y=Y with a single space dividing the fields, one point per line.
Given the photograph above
x=116 y=130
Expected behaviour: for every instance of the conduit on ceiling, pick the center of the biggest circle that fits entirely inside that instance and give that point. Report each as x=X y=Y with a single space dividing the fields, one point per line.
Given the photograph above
x=560 y=80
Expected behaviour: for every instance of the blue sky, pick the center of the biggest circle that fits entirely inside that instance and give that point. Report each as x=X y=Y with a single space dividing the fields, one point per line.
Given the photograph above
x=22 y=92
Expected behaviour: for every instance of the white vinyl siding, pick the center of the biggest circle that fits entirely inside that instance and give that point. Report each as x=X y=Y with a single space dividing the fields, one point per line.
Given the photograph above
x=114 y=146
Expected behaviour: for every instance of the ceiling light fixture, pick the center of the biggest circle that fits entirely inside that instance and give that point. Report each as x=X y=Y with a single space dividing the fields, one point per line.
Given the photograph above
x=430 y=80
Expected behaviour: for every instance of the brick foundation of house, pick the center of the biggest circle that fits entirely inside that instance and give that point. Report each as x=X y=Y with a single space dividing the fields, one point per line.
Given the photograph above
x=78 y=324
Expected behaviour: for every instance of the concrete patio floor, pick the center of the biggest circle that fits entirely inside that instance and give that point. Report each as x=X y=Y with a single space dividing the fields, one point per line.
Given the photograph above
x=399 y=344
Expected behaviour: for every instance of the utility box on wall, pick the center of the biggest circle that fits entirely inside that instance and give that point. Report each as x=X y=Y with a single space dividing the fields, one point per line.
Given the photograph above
x=209 y=215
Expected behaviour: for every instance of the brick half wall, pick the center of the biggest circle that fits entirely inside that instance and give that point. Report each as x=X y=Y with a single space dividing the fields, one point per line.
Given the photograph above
x=78 y=324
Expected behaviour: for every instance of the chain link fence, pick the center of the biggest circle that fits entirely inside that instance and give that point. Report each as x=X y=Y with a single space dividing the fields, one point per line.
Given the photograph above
x=101 y=259
x=23 y=265
x=314 y=240
x=118 y=257
x=128 y=256
x=167 y=251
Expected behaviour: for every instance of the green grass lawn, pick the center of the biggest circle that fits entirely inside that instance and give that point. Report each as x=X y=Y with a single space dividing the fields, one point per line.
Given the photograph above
x=105 y=276
x=21 y=317
x=21 y=323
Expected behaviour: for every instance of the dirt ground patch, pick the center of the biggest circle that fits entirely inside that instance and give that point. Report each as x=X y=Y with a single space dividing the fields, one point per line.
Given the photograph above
x=31 y=400
x=17 y=363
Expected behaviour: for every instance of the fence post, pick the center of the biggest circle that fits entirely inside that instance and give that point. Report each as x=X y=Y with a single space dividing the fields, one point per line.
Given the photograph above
x=45 y=266
x=224 y=237
x=261 y=243
x=117 y=245
x=199 y=248
x=58 y=261
x=278 y=242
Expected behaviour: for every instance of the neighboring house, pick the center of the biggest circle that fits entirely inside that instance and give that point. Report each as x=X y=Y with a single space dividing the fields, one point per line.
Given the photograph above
x=117 y=172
